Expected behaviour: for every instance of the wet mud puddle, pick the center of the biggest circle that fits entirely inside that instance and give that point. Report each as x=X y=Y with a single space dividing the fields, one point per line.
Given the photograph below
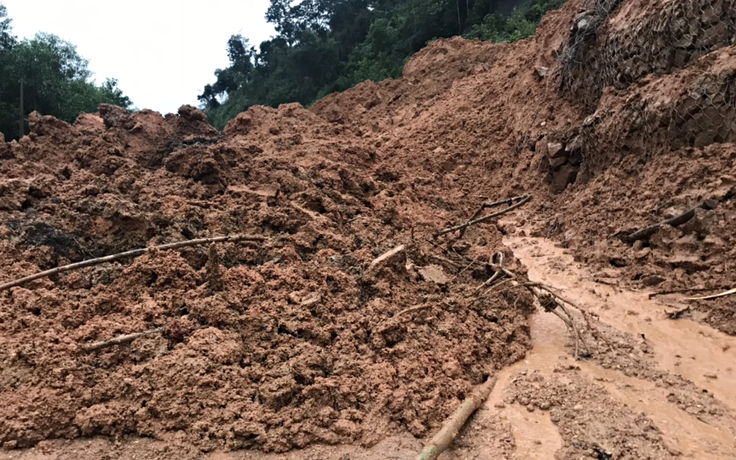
x=680 y=405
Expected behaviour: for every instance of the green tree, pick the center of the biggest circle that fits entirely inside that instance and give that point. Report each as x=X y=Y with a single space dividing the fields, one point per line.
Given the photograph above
x=56 y=79
x=324 y=46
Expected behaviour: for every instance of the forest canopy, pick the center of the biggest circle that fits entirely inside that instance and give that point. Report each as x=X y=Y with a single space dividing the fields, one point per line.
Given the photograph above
x=56 y=80
x=323 y=46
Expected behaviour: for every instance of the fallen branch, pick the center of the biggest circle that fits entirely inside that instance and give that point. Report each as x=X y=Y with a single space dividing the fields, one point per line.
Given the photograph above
x=521 y=200
x=714 y=296
x=646 y=232
x=680 y=291
x=497 y=274
x=119 y=340
x=452 y=426
x=127 y=254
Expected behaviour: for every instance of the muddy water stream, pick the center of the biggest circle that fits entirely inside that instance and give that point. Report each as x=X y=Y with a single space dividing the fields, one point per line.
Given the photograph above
x=681 y=347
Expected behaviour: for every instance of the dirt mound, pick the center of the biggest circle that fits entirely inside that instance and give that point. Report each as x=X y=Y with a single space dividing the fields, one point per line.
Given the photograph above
x=304 y=338
x=289 y=343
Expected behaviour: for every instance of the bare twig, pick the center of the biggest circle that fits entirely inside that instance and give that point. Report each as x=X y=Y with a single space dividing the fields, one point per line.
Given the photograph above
x=714 y=296
x=452 y=426
x=411 y=309
x=680 y=291
x=520 y=201
x=119 y=340
x=127 y=254
x=646 y=232
x=496 y=274
x=467 y=266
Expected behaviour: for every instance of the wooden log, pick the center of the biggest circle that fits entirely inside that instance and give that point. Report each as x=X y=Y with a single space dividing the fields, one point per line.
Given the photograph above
x=452 y=426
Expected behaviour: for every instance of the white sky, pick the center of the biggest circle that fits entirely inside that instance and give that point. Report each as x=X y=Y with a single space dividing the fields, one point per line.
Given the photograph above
x=162 y=52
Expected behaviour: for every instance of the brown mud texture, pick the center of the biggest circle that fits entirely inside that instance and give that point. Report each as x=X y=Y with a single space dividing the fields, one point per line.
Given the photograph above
x=304 y=339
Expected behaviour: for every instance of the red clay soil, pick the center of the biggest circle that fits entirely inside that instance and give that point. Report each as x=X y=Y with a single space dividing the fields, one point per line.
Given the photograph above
x=297 y=341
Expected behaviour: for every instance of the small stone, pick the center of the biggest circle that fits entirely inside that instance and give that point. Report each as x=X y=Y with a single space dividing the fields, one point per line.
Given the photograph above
x=710 y=376
x=499 y=405
x=578 y=407
x=435 y=274
x=556 y=162
x=652 y=280
x=555 y=150
x=395 y=257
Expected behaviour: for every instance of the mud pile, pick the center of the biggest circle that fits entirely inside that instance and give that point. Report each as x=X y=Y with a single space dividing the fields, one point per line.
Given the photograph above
x=274 y=345
x=304 y=339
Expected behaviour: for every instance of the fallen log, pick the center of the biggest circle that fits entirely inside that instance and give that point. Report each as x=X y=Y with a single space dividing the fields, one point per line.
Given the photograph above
x=124 y=255
x=646 y=232
x=452 y=426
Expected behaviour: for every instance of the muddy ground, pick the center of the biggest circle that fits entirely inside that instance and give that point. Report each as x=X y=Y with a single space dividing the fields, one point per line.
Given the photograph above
x=309 y=344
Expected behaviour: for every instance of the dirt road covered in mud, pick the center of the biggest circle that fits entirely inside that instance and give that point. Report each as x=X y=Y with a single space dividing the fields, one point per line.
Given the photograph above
x=346 y=327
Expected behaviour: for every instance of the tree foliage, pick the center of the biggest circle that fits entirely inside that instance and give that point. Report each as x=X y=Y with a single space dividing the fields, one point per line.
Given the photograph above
x=56 y=79
x=324 y=46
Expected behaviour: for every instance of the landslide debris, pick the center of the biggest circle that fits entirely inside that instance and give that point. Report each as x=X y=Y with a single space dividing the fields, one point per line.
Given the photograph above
x=294 y=341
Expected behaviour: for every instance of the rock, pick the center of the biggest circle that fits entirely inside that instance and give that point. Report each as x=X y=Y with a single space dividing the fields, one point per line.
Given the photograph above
x=555 y=149
x=652 y=280
x=555 y=163
x=564 y=176
x=434 y=273
x=541 y=72
x=114 y=116
x=576 y=158
x=395 y=258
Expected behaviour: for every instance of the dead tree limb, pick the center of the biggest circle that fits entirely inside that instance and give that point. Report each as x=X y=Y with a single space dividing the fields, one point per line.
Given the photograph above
x=680 y=291
x=714 y=296
x=119 y=340
x=452 y=426
x=497 y=274
x=127 y=254
x=646 y=232
x=520 y=201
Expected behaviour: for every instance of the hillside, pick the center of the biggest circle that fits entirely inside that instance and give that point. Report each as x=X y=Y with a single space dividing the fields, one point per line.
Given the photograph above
x=312 y=340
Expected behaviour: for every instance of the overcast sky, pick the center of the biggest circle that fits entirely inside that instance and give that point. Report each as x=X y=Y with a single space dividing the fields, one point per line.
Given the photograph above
x=162 y=52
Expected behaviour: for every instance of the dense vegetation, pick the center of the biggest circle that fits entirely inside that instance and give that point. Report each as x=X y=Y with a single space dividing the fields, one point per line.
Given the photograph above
x=56 y=79
x=324 y=46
